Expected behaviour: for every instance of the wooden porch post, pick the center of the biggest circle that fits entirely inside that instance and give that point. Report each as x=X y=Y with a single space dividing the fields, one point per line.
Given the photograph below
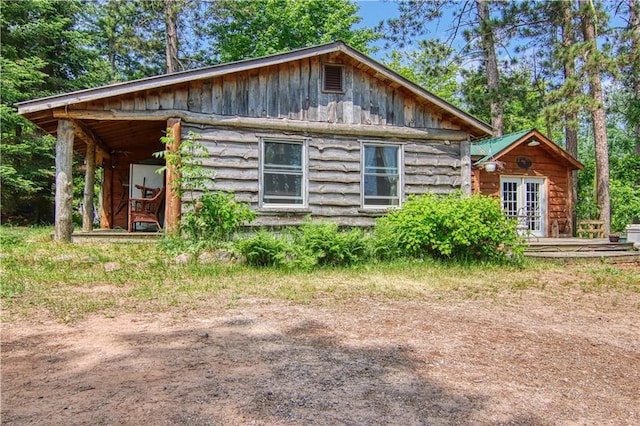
x=89 y=183
x=64 y=182
x=106 y=204
x=173 y=202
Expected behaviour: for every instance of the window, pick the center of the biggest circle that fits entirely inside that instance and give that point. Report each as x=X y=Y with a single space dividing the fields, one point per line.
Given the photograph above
x=381 y=175
x=283 y=173
x=333 y=80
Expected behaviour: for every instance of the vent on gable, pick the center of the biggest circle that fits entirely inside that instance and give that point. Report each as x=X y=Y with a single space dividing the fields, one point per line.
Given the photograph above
x=333 y=78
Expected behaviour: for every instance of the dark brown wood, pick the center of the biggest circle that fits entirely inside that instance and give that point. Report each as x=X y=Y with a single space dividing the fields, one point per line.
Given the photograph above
x=64 y=182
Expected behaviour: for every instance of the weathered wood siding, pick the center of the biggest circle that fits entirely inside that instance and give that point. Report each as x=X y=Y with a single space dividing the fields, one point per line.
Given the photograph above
x=292 y=91
x=544 y=164
x=334 y=173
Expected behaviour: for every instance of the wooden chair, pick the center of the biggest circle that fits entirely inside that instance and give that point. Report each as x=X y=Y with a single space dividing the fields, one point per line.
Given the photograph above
x=146 y=210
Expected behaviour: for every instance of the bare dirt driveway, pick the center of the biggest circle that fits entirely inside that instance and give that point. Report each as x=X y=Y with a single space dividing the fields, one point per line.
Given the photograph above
x=558 y=356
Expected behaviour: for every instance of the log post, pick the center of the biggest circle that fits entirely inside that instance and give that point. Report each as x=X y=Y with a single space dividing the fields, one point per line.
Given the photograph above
x=465 y=167
x=173 y=201
x=89 y=183
x=106 y=203
x=64 y=182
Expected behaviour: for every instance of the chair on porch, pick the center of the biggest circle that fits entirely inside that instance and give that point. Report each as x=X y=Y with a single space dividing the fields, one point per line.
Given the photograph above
x=146 y=210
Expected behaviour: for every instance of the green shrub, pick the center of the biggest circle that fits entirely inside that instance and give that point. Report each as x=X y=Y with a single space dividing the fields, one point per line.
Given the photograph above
x=330 y=246
x=215 y=217
x=448 y=227
x=264 y=249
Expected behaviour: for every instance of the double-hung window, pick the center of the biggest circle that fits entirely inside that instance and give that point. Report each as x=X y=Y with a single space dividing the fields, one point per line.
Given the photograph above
x=283 y=173
x=381 y=175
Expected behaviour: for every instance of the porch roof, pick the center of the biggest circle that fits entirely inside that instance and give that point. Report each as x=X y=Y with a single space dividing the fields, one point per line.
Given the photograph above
x=492 y=149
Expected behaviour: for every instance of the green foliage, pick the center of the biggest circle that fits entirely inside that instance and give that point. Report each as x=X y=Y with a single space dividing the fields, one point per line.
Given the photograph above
x=190 y=176
x=331 y=246
x=312 y=244
x=264 y=249
x=433 y=65
x=43 y=52
x=449 y=227
x=248 y=29
x=215 y=217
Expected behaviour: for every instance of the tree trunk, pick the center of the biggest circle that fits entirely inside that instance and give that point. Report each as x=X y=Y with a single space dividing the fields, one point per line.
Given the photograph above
x=489 y=49
x=634 y=28
x=597 y=113
x=64 y=182
x=571 y=116
x=170 y=16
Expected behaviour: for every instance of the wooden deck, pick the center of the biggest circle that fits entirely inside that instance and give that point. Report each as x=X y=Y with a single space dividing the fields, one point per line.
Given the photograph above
x=582 y=248
x=114 y=236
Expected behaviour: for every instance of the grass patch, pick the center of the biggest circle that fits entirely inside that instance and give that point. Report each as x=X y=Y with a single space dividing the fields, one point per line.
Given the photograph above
x=70 y=281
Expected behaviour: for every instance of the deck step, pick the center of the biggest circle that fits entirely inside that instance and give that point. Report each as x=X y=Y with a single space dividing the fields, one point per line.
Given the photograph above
x=572 y=246
x=604 y=256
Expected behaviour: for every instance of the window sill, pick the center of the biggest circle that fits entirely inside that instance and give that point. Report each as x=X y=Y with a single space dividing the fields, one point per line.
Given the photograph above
x=280 y=210
x=377 y=210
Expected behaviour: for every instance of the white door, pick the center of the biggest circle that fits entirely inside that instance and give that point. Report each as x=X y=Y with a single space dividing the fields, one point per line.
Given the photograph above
x=525 y=200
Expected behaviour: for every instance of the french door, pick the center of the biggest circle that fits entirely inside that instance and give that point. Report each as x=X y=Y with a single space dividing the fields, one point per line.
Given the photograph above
x=525 y=200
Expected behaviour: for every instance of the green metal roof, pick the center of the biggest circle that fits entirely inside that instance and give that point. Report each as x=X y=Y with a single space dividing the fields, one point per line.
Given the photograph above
x=491 y=147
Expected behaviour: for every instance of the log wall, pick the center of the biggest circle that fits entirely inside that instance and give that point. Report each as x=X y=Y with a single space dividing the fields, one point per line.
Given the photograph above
x=334 y=173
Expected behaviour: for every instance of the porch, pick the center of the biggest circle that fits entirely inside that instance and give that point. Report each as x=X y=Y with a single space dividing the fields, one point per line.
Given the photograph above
x=582 y=248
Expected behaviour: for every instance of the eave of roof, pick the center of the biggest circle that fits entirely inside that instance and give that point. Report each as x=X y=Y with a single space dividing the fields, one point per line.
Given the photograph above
x=123 y=88
x=494 y=148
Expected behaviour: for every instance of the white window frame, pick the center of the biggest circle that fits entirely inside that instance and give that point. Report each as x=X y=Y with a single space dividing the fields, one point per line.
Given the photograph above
x=400 y=160
x=305 y=174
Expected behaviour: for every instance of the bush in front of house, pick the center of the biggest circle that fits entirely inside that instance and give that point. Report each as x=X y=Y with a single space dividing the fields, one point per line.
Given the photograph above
x=331 y=246
x=215 y=217
x=449 y=227
x=312 y=244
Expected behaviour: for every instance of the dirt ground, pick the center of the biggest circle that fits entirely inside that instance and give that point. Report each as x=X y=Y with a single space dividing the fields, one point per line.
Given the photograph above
x=530 y=358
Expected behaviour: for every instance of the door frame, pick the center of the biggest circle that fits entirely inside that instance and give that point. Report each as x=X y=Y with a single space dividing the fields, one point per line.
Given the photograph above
x=521 y=201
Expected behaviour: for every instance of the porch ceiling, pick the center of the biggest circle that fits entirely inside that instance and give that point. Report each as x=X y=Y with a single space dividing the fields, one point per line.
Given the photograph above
x=116 y=136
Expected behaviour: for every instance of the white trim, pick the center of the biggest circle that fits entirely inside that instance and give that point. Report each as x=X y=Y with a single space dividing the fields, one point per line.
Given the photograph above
x=400 y=159
x=304 y=143
x=521 y=198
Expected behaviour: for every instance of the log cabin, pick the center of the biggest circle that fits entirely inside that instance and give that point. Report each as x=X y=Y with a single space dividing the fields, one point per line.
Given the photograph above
x=533 y=178
x=323 y=132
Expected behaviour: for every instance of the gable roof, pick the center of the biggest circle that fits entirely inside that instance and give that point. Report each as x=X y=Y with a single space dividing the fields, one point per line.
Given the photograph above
x=494 y=148
x=478 y=127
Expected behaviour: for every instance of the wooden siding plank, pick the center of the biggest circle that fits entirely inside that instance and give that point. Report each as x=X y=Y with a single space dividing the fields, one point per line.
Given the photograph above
x=314 y=90
x=153 y=101
x=295 y=92
x=284 y=91
x=166 y=99
x=207 y=100
x=140 y=102
x=253 y=94
x=348 y=98
x=194 y=97
x=181 y=95
x=305 y=73
x=229 y=84
x=216 y=95
x=272 y=91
